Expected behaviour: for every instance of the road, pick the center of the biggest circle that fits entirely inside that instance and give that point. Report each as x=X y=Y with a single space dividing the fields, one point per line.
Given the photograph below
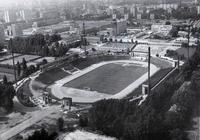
x=36 y=116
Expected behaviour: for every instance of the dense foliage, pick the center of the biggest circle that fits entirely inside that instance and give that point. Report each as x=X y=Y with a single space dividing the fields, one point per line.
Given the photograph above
x=7 y=93
x=184 y=13
x=38 y=44
x=42 y=135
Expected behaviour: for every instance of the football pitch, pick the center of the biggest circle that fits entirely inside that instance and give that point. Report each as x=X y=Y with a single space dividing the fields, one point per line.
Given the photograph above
x=109 y=79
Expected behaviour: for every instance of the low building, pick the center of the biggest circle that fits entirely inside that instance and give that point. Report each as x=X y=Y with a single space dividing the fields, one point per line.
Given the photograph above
x=182 y=33
x=25 y=14
x=107 y=32
x=160 y=28
x=10 y=15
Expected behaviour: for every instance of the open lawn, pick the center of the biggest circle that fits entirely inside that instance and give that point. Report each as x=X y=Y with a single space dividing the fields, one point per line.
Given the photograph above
x=50 y=76
x=110 y=78
x=154 y=80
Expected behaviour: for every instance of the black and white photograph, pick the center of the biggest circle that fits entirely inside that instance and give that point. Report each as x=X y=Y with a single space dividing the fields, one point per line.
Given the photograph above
x=99 y=69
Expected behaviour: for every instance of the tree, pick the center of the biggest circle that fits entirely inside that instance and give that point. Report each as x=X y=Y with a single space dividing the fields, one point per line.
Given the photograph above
x=60 y=124
x=31 y=69
x=167 y=23
x=18 y=68
x=94 y=50
x=83 y=121
x=7 y=93
x=24 y=66
x=174 y=32
x=5 y=81
x=43 y=135
x=55 y=38
x=44 y=61
x=177 y=134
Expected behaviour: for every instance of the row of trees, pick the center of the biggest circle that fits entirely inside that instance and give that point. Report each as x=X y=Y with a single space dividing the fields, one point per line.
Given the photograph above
x=164 y=114
x=32 y=44
x=184 y=13
x=42 y=135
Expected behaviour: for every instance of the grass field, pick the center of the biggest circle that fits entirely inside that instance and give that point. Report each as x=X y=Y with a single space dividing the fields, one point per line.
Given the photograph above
x=154 y=80
x=110 y=78
x=50 y=76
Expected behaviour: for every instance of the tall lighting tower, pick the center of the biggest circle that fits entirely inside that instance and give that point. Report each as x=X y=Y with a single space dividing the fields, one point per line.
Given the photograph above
x=83 y=37
x=13 y=59
x=190 y=26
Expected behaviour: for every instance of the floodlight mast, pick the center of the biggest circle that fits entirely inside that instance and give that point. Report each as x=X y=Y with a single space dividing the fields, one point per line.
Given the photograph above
x=190 y=27
x=149 y=64
x=13 y=59
x=149 y=60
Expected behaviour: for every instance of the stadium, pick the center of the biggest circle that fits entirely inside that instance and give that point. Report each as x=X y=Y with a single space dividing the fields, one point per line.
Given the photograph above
x=102 y=76
x=112 y=79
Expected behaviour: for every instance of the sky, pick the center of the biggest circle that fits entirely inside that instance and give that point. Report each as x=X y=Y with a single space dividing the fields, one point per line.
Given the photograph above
x=8 y=2
x=11 y=2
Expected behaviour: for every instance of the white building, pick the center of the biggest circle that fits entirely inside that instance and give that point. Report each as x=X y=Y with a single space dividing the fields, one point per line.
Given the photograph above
x=133 y=11
x=2 y=34
x=107 y=32
x=198 y=9
x=163 y=29
x=25 y=14
x=16 y=30
x=10 y=16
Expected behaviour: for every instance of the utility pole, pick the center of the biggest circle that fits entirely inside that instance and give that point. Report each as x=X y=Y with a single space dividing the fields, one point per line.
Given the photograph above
x=188 y=42
x=83 y=37
x=180 y=3
x=188 y=37
x=149 y=60
x=13 y=59
x=116 y=27
x=149 y=64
